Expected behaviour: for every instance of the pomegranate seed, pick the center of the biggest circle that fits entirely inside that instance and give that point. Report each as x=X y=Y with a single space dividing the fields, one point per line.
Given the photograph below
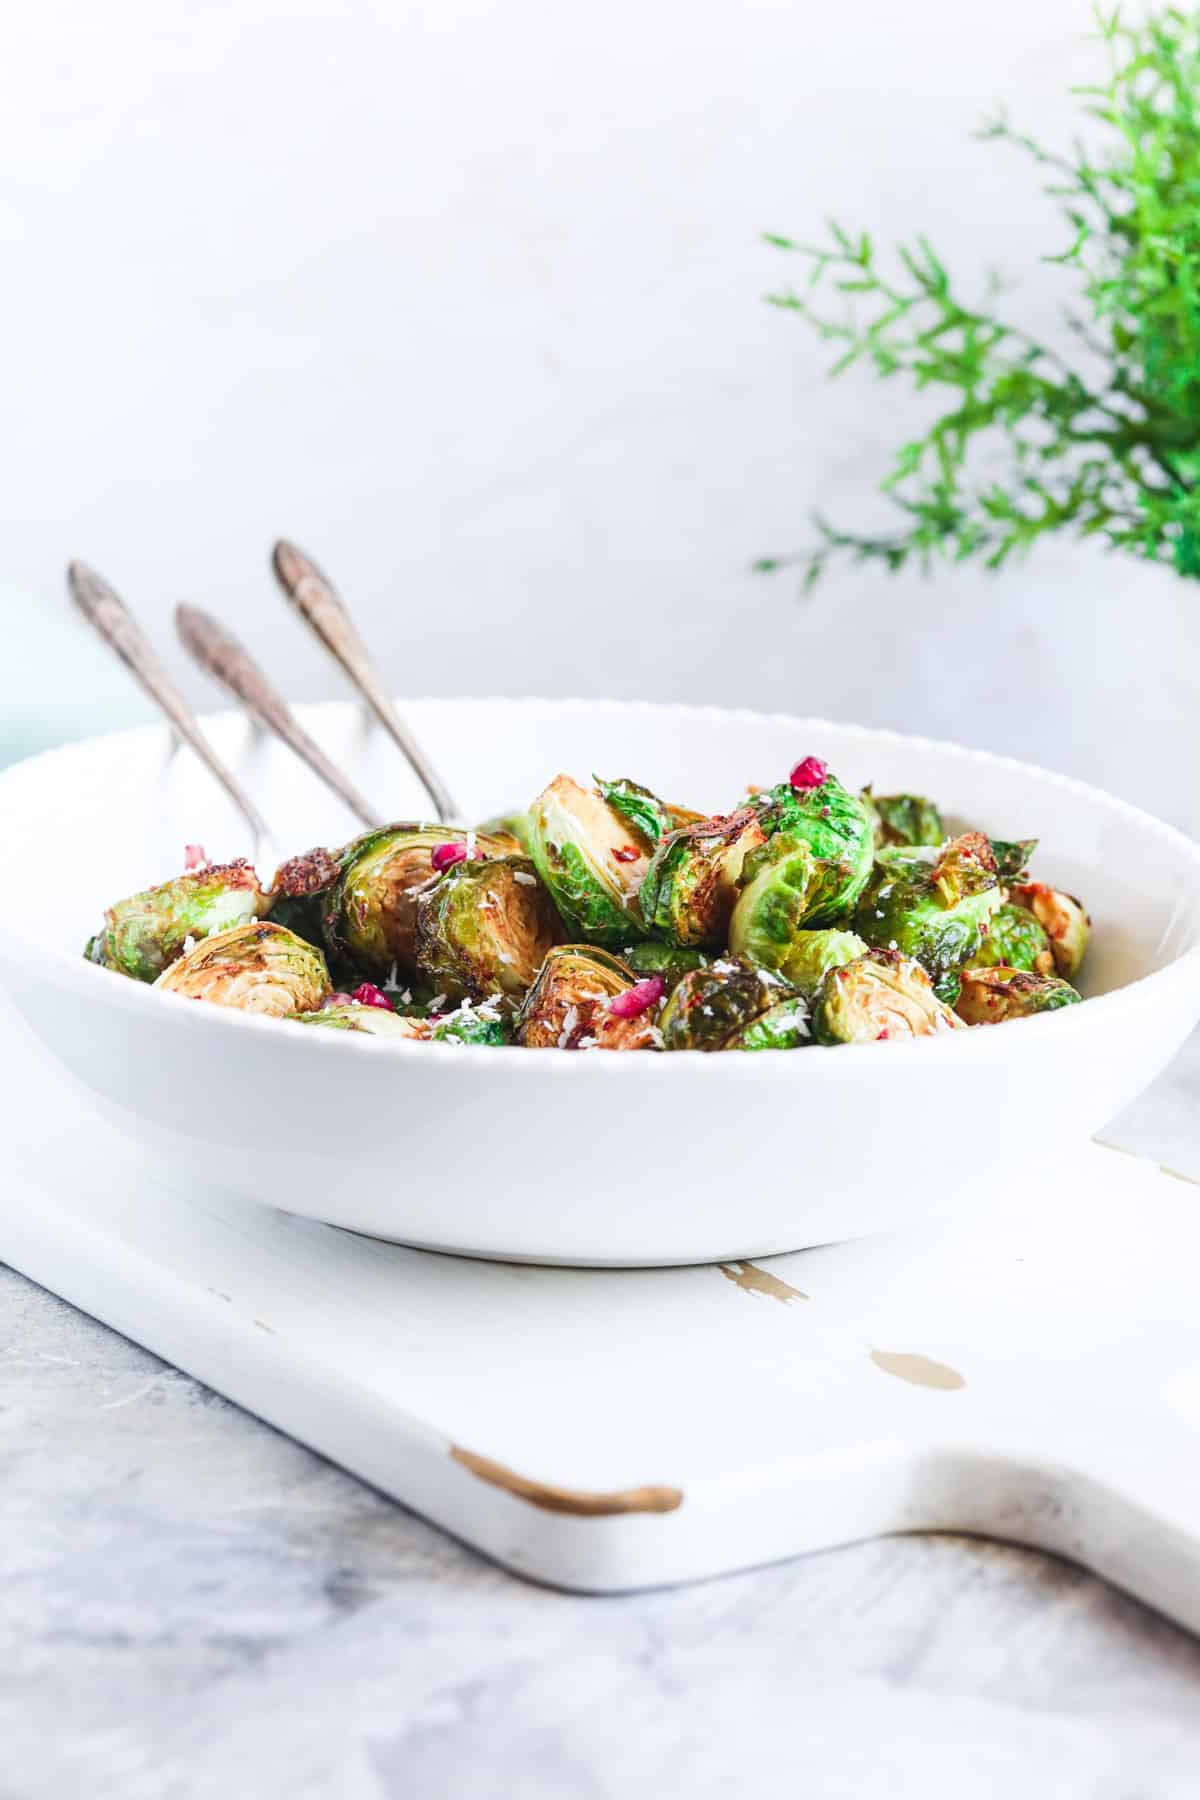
x=194 y=857
x=810 y=773
x=367 y=994
x=639 y=998
x=446 y=855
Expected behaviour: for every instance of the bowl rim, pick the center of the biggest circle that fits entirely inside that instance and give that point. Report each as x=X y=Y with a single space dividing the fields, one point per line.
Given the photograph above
x=82 y=977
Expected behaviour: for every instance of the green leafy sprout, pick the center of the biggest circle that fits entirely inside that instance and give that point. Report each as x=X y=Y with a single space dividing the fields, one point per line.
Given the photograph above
x=1104 y=444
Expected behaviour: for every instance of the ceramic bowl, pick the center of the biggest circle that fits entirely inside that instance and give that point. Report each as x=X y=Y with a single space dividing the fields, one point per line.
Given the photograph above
x=600 y=1158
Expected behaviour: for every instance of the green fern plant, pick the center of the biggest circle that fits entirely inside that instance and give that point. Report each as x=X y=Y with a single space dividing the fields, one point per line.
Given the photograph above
x=1104 y=444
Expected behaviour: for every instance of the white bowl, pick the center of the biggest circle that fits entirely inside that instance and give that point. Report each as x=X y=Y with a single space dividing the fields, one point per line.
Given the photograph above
x=601 y=1158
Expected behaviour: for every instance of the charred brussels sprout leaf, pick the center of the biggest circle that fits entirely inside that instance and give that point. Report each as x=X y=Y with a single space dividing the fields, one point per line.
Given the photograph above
x=371 y=1021
x=472 y=1025
x=903 y=818
x=591 y=859
x=935 y=911
x=1012 y=858
x=259 y=968
x=568 y=1006
x=991 y=996
x=143 y=935
x=1015 y=940
x=671 y=961
x=485 y=928
x=691 y=885
x=784 y=1026
x=299 y=892
x=370 y=913
x=713 y=1006
x=839 y=831
x=877 y=998
x=1064 y=921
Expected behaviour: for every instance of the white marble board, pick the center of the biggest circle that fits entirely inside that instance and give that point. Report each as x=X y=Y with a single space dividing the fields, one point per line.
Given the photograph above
x=1030 y=1371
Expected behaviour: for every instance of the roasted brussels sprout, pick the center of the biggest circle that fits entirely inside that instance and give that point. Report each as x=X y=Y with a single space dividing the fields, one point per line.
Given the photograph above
x=990 y=996
x=880 y=996
x=569 y=1005
x=903 y=818
x=591 y=859
x=671 y=961
x=1062 y=918
x=837 y=828
x=934 y=911
x=485 y=928
x=370 y=914
x=259 y=968
x=372 y=1021
x=143 y=935
x=784 y=1026
x=691 y=885
x=711 y=1007
x=1013 y=939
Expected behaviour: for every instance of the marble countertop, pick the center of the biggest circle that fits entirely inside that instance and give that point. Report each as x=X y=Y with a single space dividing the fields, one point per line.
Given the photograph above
x=194 y=1605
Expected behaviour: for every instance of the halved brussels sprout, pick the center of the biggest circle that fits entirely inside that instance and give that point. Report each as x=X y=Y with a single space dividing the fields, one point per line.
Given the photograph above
x=671 y=961
x=876 y=998
x=260 y=968
x=372 y=1021
x=784 y=1026
x=1064 y=921
x=934 y=911
x=485 y=928
x=1013 y=939
x=567 y=1008
x=713 y=1006
x=839 y=831
x=769 y=923
x=370 y=914
x=143 y=935
x=591 y=859
x=990 y=996
x=691 y=885
x=903 y=818
x=779 y=880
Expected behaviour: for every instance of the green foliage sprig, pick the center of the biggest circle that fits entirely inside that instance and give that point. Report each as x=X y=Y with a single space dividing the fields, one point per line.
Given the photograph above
x=1027 y=443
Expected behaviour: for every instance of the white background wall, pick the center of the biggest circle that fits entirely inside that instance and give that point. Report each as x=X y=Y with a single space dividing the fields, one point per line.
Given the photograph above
x=467 y=298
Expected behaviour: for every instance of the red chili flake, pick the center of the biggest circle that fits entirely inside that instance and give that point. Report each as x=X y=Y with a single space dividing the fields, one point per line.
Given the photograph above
x=881 y=1037
x=194 y=856
x=445 y=855
x=367 y=994
x=626 y=853
x=810 y=773
x=639 y=998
